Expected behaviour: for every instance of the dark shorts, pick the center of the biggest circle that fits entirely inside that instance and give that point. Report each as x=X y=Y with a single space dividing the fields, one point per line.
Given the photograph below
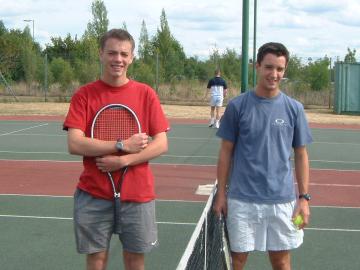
x=94 y=224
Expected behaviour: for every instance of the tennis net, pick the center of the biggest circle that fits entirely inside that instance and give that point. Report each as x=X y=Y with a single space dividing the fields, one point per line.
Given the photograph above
x=208 y=247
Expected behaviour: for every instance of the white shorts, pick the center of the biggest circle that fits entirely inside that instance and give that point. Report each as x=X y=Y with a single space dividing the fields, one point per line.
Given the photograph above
x=216 y=101
x=262 y=227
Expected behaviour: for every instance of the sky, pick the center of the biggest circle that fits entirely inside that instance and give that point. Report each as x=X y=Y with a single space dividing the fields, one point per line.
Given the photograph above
x=308 y=28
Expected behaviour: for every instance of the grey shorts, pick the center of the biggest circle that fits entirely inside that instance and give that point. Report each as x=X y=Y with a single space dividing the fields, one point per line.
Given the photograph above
x=94 y=224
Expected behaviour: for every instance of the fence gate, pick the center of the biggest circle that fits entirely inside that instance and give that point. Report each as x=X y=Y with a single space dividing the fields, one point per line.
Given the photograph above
x=347 y=88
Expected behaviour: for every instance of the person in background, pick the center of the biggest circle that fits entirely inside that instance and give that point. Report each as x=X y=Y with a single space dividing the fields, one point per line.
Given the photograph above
x=218 y=88
x=260 y=130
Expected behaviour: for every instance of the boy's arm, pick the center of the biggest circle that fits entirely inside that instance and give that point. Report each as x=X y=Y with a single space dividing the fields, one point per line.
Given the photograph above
x=79 y=144
x=223 y=169
x=302 y=178
x=157 y=146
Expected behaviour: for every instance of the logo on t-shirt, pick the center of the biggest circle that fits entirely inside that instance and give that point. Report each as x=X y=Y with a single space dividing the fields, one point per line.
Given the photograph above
x=278 y=122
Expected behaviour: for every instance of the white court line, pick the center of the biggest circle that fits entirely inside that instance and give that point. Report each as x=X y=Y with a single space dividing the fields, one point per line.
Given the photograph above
x=334 y=161
x=39 y=152
x=40 y=134
x=158 y=163
x=335 y=207
x=334 y=185
x=194 y=138
x=40 y=160
x=80 y=161
x=158 y=200
x=15 y=131
x=36 y=195
x=341 y=143
x=65 y=196
x=174 y=223
x=177 y=156
x=32 y=152
x=36 y=217
x=332 y=230
x=182 y=138
x=68 y=218
x=169 y=137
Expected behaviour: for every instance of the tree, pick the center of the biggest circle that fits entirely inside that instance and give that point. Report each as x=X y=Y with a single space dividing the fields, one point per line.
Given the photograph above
x=142 y=72
x=294 y=68
x=3 y=29
x=350 y=56
x=144 y=47
x=215 y=57
x=230 y=65
x=10 y=53
x=317 y=74
x=99 y=24
x=65 y=48
x=62 y=73
x=171 y=53
x=124 y=27
x=87 y=65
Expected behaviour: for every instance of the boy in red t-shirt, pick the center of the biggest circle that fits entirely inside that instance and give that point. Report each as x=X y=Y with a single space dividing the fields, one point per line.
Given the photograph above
x=94 y=199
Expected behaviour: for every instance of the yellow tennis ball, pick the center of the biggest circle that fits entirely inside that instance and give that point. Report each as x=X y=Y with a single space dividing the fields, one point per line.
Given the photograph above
x=298 y=220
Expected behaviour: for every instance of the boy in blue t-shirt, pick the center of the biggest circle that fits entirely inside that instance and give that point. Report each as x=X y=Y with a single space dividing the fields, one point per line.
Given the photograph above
x=259 y=130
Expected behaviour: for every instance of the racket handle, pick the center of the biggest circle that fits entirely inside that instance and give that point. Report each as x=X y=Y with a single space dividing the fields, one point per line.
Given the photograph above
x=116 y=214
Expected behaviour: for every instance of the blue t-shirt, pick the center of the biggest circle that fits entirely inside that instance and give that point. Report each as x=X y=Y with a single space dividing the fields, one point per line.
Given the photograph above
x=217 y=86
x=264 y=131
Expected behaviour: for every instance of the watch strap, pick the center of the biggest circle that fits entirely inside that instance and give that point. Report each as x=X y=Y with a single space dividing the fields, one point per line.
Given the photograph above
x=305 y=196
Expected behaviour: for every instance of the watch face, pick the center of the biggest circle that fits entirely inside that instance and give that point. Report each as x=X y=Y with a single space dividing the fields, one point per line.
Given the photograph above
x=119 y=145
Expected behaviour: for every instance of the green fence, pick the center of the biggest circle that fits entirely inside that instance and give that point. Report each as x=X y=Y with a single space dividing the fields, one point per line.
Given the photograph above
x=347 y=88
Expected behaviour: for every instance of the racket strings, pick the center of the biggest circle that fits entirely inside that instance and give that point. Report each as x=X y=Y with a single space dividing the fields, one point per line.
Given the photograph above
x=115 y=123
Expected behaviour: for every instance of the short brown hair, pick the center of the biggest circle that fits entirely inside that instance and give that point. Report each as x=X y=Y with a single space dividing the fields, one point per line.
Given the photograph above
x=274 y=48
x=119 y=34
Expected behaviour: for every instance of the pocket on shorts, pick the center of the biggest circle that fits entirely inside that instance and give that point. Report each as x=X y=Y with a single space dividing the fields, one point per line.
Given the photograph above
x=286 y=209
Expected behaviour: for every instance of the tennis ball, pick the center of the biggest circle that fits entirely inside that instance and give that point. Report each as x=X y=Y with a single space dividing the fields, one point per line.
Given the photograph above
x=298 y=220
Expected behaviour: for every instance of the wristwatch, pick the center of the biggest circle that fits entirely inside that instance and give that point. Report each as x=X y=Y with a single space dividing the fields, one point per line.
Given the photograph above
x=119 y=145
x=305 y=196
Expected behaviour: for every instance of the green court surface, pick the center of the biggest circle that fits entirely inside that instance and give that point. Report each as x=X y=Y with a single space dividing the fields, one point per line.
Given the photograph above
x=37 y=231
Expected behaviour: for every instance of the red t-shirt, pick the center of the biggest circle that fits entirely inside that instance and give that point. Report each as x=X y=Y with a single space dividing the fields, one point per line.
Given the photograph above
x=138 y=184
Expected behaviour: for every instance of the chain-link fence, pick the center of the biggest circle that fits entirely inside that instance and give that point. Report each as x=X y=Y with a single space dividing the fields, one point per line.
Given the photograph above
x=55 y=78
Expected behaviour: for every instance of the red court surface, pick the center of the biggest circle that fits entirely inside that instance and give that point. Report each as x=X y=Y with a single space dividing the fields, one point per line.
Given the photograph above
x=172 y=182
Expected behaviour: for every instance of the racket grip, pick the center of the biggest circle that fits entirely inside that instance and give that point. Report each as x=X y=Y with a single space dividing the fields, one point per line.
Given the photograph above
x=116 y=214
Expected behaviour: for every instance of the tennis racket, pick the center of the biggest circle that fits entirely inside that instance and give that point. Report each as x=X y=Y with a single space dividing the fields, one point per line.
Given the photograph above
x=111 y=123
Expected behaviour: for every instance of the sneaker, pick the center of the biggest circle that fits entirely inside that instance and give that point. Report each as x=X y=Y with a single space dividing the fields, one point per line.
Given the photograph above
x=211 y=124
x=217 y=124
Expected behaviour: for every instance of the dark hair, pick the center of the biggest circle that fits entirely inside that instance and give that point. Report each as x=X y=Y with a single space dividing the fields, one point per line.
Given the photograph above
x=274 y=48
x=119 y=34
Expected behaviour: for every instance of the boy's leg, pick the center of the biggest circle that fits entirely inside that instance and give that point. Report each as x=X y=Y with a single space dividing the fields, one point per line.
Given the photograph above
x=217 y=119
x=96 y=261
x=280 y=260
x=239 y=260
x=212 y=116
x=134 y=261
